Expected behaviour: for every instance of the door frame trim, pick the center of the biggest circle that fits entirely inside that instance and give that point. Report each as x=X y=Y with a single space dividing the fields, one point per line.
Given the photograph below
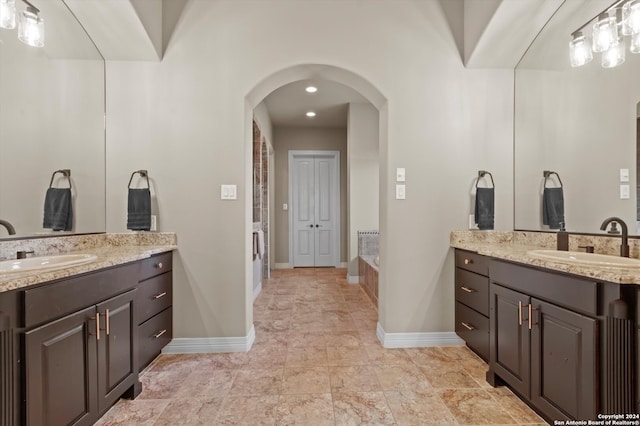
x=329 y=154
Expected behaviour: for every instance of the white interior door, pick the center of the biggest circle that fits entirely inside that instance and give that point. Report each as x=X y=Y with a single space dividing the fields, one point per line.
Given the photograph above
x=315 y=208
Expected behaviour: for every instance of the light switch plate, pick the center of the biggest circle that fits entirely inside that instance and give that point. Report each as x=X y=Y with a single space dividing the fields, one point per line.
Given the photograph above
x=285 y=207
x=625 y=192
x=401 y=192
x=400 y=174
x=624 y=175
x=228 y=192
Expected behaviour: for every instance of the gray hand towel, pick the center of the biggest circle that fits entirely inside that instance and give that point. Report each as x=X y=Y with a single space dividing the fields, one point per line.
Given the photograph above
x=552 y=207
x=139 y=209
x=58 y=210
x=484 y=210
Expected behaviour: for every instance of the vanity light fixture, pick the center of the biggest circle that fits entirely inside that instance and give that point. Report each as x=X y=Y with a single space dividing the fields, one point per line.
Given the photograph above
x=311 y=89
x=30 y=24
x=620 y=19
x=310 y=114
x=8 y=14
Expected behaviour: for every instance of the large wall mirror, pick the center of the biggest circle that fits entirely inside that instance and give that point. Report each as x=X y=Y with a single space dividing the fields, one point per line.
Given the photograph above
x=52 y=117
x=579 y=122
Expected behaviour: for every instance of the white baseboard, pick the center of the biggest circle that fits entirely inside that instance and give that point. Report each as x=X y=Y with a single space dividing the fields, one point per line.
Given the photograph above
x=281 y=266
x=211 y=344
x=257 y=290
x=418 y=340
x=353 y=279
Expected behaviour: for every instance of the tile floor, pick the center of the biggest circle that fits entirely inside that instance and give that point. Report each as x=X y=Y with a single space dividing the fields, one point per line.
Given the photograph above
x=317 y=361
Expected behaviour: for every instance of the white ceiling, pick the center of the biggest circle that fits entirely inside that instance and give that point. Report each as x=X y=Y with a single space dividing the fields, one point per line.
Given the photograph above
x=288 y=104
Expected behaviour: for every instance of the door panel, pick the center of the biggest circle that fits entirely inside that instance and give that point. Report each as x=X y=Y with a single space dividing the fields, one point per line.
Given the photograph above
x=60 y=371
x=315 y=200
x=563 y=368
x=303 y=211
x=510 y=349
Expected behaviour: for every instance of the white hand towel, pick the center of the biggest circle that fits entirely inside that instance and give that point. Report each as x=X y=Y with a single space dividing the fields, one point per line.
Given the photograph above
x=260 y=233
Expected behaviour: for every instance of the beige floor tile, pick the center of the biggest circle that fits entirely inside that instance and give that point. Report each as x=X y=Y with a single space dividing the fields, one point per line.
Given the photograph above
x=306 y=380
x=163 y=384
x=190 y=411
x=517 y=409
x=257 y=382
x=359 y=378
x=347 y=338
x=379 y=355
x=347 y=355
x=400 y=377
x=362 y=408
x=419 y=408
x=140 y=412
x=213 y=383
x=305 y=410
x=474 y=406
x=251 y=410
x=304 y=339
x=306 y=357
x=452 y=376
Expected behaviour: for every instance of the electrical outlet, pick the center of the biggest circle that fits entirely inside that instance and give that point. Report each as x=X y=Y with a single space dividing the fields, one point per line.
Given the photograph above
x=228 y=192
x=401 y=192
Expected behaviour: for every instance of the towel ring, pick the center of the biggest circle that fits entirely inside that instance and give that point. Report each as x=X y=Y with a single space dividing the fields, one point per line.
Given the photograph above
x=547 y=174
x=142 y=173
x=481 y=174
x=65 y=172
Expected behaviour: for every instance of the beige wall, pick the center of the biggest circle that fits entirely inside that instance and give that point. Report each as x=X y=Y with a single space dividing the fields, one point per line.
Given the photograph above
x=364 y=173
x=188 y=120
x=305 y=139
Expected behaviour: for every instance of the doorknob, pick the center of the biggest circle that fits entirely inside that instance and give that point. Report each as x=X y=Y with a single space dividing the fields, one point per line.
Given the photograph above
x=311 y=226
x=317 y=226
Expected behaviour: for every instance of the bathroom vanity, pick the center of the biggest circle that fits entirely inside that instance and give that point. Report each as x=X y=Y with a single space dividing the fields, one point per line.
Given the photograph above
x=71 y=347
x=565 y=343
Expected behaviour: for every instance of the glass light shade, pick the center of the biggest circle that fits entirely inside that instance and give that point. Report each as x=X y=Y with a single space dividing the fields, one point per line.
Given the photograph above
x=614 y=56
x=605 y=33
x=631 y=18
x=580 y=50
x=31 y=29
x=8 y=14
x=635 y=43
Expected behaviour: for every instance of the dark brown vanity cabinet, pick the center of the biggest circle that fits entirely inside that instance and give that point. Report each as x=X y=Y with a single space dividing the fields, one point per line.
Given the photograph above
x=561 y=342
x=472 y=301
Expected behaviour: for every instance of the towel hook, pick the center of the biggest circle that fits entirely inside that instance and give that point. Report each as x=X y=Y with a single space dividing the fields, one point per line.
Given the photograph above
x=142 y=173
x=65 y=172
x=547 y=174
x=481 y=174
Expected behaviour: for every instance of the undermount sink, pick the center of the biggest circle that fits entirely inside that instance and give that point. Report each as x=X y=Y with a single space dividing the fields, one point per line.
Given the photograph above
x=44 y=262
x=587 y=259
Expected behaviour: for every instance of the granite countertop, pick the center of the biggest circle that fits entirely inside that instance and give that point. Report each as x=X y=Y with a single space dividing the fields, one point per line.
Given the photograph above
x=107 y=255
x=501 y=246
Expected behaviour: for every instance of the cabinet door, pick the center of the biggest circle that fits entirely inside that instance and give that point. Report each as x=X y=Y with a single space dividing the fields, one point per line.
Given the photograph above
x=61 y=371
x=115 y=348
x=509 y=334
x=563 y=362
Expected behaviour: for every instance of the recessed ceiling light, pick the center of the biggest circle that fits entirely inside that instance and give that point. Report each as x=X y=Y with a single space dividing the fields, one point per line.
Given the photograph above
x=311 y=89
x=311 y=114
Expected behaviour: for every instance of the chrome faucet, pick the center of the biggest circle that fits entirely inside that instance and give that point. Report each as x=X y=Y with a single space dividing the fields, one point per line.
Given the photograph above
x=10 y=228
x=624 y=246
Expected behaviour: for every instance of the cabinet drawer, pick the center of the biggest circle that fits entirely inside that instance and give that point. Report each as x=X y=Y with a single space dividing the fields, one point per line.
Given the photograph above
x=154 y=335
x=473 y=290
x=154 y=295
x=473 y=262
x=155 y=265
x=473 y=328
x=55 y=300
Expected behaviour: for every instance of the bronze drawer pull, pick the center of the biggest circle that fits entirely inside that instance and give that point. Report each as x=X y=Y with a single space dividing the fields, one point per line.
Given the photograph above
x=158 y=265
x=106 y=315
x=155 y=336
x=467 y=326
x=467 y=289
x=468 y=261
x=158 y=296
x=97 y=319
x=531 y=309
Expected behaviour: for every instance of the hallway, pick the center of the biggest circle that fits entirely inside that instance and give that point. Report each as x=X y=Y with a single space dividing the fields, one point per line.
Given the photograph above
x=317 y=361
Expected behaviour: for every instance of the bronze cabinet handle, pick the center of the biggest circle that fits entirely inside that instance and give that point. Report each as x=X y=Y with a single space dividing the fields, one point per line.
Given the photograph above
x=158 y=265
x=467 y=326
x=97 y=320
x=531 y=309
x=159 y=295
x=155 y=336
x=468 y=261
x=106 y=316
x=519 y=312
x=467 y=289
